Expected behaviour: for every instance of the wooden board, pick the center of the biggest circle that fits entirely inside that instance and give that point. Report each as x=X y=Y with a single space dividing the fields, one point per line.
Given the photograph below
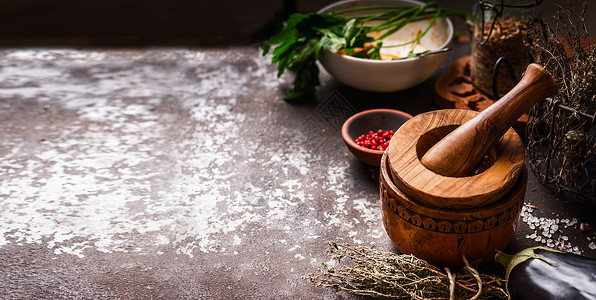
x=455 y=90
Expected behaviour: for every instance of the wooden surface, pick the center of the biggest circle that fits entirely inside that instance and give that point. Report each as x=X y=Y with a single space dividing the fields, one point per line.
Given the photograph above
x=460 y=151
x=420 y=133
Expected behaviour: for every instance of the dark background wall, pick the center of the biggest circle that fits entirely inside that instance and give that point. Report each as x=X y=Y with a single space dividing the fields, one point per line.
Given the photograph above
x=154 y=22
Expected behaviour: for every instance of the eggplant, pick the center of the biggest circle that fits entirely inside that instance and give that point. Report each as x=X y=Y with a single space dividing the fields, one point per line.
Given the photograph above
x=543 y=273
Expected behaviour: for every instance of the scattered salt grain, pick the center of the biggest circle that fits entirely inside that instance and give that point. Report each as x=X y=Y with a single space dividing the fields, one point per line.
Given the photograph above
x=544 y=228
x=592 y=246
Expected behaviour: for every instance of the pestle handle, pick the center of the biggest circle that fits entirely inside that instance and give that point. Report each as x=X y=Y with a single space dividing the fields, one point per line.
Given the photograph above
x=461 y=150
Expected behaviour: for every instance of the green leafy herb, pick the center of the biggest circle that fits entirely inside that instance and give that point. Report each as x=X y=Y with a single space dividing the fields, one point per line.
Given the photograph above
x=298 y=45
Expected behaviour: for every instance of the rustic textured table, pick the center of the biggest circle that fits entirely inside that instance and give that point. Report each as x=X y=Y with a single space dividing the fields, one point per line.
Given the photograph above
x=182 y=174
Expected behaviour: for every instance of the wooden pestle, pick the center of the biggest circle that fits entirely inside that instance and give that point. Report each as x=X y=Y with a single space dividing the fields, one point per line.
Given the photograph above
x=461 y=150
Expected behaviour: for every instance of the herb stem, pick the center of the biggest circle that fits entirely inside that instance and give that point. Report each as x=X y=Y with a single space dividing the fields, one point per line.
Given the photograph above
x=417 y=39
x=365 y=8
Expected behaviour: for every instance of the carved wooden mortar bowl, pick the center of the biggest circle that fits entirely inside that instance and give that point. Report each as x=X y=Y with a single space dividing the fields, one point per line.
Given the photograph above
x=488 y=183
x=442 y=236
x=453 y=181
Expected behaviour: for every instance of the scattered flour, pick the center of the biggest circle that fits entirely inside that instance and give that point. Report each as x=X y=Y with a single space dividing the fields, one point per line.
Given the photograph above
x=98 y=182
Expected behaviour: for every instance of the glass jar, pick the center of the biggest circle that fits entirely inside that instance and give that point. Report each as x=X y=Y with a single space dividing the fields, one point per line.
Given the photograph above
x=500 y=30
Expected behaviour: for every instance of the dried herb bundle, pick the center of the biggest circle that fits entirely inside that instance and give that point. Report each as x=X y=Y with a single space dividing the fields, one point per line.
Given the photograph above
x=561 y=136
x=567 y=52
x=386 y=274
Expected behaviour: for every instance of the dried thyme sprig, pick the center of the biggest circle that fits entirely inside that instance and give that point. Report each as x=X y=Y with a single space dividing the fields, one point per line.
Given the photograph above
x=567 y=52
x=385 y=274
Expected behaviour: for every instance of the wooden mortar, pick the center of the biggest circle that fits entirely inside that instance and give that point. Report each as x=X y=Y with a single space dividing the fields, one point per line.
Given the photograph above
x=420 y=133
x=443 y=236
x=439 y=203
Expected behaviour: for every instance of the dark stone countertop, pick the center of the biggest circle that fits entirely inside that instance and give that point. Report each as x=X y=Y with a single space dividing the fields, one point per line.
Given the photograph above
x=182 y=174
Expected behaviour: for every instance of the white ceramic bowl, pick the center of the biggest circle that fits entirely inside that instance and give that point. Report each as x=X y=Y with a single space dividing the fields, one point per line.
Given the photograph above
x=390 y=75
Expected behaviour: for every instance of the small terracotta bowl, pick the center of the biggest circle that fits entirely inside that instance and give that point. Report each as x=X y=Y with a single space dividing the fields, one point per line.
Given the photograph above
x=371 y=120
